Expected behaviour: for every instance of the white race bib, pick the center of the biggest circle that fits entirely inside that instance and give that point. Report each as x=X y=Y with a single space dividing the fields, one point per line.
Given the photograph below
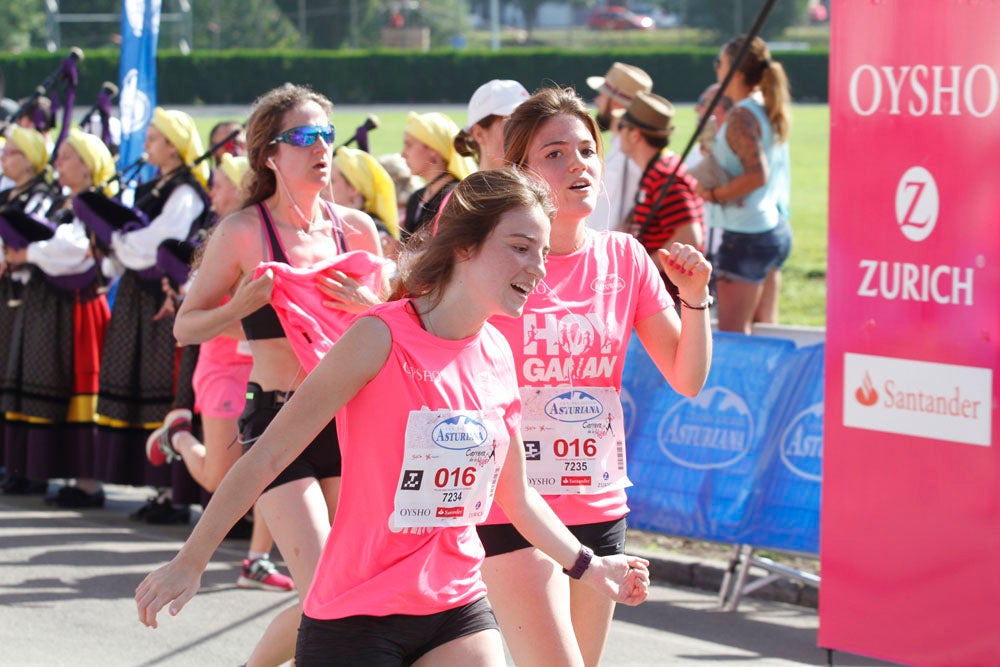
x=451 y=465
x=574 y=439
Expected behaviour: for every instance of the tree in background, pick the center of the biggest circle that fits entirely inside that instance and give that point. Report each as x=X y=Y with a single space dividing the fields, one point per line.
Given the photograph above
x=246 y=24
x=530 y=10
x=359 y=23
x=324 y=24
x=219 y=24
x=732 y=17
x=23 y=25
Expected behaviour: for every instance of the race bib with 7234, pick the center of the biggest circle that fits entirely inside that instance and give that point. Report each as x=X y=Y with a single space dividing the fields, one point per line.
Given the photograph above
x=574 y=439
x=450 y=468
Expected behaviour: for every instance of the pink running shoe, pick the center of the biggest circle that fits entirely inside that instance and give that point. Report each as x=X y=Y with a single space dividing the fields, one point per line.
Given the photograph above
x=260 y=573
x=159 y=449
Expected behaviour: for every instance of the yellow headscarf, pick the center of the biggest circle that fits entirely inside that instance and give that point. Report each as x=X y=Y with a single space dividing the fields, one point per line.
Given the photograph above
x=438 y=132
x=371 y=179
x=96 y=156
x=32 y=144
x=180 y=131
x=235 y=168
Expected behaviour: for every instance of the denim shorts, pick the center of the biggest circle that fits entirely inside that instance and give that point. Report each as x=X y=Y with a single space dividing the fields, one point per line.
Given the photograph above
x=605 y=539
x=749 y=258
x=384 y=641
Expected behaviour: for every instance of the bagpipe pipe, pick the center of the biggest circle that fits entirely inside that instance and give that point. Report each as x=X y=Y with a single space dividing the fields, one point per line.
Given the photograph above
x=361 y=134
x=25 y=218
x=102 y=107
x=67 y=76
x=103 y=215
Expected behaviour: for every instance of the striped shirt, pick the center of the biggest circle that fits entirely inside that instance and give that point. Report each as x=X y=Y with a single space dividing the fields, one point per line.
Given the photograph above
x=680 y=207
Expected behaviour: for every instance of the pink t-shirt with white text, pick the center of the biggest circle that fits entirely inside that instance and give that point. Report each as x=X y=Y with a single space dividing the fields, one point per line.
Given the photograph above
x=311 y=327
x=366 y=568
x=575 y=331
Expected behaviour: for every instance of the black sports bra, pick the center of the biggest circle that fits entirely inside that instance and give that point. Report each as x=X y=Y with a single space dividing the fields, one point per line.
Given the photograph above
x=263 y=323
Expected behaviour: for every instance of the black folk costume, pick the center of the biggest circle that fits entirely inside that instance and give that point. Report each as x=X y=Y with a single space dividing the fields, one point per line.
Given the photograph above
x=36 y=199
x=141 y=359
x=420 y=212
x=50 y=379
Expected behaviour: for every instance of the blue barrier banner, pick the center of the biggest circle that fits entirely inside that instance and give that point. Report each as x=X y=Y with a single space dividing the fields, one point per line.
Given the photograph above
x=738 y=463
x=137 y=75
x=783 y=509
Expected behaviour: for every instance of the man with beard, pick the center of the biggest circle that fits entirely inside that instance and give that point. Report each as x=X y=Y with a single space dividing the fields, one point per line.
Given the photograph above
x=615 y=91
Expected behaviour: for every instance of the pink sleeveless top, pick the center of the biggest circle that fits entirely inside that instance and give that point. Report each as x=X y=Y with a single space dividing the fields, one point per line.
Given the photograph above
x=367 y=568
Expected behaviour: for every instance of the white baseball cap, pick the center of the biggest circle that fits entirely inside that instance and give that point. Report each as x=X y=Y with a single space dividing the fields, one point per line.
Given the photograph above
x=498 y=97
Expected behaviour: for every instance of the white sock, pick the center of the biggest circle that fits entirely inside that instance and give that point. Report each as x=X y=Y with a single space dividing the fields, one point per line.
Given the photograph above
x=254 y=555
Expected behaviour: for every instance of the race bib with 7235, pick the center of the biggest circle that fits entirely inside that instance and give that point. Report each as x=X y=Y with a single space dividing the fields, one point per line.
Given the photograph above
x=574 y=439
x=450 y=468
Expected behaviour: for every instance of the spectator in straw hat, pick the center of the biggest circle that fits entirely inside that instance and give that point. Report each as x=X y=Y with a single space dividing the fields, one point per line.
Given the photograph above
x=657 y=219
x=615 y=91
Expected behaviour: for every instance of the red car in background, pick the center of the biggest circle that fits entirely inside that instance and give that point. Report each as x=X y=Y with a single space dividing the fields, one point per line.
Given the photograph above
x=618 y=18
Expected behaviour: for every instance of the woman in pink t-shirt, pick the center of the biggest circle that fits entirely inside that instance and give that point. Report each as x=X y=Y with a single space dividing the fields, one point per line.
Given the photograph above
x=569 y=348
x=426 y=399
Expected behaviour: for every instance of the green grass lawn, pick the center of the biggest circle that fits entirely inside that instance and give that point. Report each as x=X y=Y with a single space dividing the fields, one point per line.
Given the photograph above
x=803 y=299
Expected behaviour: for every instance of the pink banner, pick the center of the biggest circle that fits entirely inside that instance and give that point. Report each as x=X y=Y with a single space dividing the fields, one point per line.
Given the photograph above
x=910 y=532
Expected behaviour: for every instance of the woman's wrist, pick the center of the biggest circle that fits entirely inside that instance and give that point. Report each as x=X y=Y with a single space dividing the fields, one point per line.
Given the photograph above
x=696 y=299
x=582 y=564
x=696 y=305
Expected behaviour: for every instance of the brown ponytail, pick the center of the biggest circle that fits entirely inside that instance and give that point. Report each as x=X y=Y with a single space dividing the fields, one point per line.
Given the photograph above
x=761 y=71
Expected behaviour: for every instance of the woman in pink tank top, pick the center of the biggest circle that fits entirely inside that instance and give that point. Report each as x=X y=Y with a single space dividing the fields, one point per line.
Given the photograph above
x=289 y=148
x=399 y=580
x=219 y=383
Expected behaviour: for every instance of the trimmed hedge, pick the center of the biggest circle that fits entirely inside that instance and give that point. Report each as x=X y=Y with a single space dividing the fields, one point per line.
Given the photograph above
x=238 y=77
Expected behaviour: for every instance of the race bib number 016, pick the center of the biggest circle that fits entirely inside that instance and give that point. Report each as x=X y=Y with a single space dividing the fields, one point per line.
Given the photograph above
x=450 y=468
x=574 y=439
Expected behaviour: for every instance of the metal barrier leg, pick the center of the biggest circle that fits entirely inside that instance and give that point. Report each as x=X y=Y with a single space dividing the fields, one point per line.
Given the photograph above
x=725 y=590
x=741 y=578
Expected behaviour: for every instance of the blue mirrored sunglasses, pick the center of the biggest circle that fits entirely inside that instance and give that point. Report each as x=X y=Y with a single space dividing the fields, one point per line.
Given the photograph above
x=306 y=135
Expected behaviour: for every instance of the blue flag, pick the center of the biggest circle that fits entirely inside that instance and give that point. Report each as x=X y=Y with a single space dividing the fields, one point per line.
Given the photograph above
x=137 y=75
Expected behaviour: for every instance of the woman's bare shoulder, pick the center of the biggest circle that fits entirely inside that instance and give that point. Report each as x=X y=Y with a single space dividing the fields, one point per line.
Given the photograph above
x=236 y=226
x=355 y=219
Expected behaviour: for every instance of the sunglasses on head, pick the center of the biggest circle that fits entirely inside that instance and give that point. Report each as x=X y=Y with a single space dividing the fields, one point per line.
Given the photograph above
x=306 y=135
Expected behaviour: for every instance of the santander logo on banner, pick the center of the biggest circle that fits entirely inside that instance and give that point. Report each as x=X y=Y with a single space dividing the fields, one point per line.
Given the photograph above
x=917 y=207
x=918 y=398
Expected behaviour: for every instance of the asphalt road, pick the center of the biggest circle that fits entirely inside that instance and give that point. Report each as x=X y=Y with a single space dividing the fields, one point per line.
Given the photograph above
x=66 y=598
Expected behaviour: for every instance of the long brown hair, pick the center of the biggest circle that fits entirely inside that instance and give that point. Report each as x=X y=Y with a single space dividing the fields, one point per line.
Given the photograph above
x=264 y=125
x=533 y=112
x=759 y=69
x=471 y=214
